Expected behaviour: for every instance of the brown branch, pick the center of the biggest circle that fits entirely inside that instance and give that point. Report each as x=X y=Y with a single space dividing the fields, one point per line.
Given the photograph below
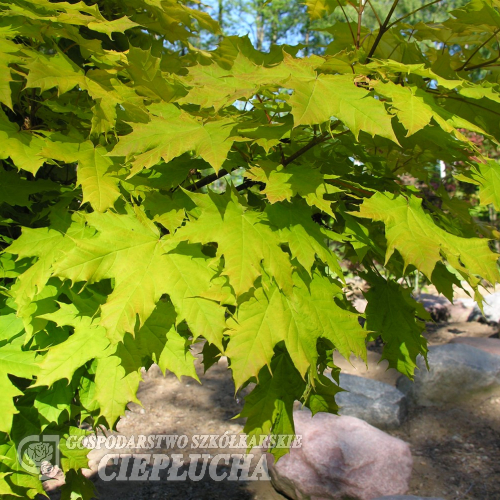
x=491 y=62
x=316 y=140
x=207 y=180
x=348 y=22
x=360 y=16
x=382 y=31
x=349 y=186
x=270 y=121
x=477 y=50
x=411 y=13
x=375 y=12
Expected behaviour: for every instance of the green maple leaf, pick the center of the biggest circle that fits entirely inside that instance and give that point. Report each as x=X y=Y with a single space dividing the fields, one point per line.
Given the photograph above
x=114 y=388
x=391 y=313
x=62 y=360
x=171 y=133
x=415 y=108
x=176 y=356
x=16 y=362
x=300 y=320
x=100 y=188
x=270 y=405
x=128 y=248
x=285 y=183
x=21 y=146
x=243 y=237
x=15 y=190
x=58 y=70
x=253 y=334
x=487 y=177
x=322 y=396
x=317 y=100
x=77 y=487
x=306 y=239
x=53 y=402
x=423 y=244
x=10 y=53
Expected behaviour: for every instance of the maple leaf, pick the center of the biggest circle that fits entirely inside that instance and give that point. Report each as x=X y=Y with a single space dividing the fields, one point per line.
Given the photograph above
x=487 y=177
x=21 y=146
x=243 y=237
x=114 y=388
x=270 y=405
x=170 y=133
x=317 y=100
x=13 y=361
x=397 y=325
x=128 y=248
x=422 y=243
x=300 y=320
x=285 y=183
x=306 y=239
x=62 y=360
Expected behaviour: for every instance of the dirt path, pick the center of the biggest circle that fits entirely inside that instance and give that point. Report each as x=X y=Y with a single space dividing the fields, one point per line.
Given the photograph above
x=456 y=450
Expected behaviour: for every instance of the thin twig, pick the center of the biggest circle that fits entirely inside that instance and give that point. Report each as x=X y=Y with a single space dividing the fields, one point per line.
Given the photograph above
x=411 y=13
x=270 y=121
x=375 y=12
x=360 y=16
x=382 y=30
x=477 y=50
x=207 y=180
x=316 y=140
x=348 y=22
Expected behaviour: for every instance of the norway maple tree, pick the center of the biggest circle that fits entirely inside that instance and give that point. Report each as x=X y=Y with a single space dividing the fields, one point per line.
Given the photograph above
x=117 y=253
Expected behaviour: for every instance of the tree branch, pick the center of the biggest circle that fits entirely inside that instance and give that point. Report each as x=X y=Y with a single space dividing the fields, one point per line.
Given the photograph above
x=348 y=22
x=316 y=140
x=477 y=50
x=411 y=13
x=374 y=12
x=382 y=30
x=360 y=16
x=207 y=180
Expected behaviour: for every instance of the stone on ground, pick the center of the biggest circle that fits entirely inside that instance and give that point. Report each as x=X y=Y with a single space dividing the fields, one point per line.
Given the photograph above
x=407 y=497
x=489 y=345
x=377 y=403
x=491 y=309
x=342 y=457
x=456 y=372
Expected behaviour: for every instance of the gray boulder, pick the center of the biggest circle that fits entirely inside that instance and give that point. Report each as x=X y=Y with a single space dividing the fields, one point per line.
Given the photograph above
x=485 y=344
x=407 y=497
x=341 y=457
x=491 y=308
x=456 y=372
x=377 y=403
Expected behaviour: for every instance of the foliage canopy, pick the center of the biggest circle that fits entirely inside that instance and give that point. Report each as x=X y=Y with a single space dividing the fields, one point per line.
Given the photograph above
x=119 y=252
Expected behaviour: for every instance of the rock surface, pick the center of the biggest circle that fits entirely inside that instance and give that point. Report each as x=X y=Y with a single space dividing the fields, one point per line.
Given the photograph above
x=456 y=371
x=491 y=308
x=377 y=403
x=342 y=457
x=489 y=345
x=407 y=497
x=441 y=309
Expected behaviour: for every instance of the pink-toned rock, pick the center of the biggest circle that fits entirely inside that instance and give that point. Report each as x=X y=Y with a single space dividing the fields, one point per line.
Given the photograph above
x=485 y=344
x=342 y=457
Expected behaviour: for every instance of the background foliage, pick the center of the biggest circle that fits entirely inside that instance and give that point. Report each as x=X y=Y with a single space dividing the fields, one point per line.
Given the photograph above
x=116 y=120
